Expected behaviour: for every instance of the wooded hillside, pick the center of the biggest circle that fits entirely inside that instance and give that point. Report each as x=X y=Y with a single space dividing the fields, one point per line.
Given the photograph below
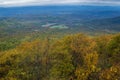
x=74 y=57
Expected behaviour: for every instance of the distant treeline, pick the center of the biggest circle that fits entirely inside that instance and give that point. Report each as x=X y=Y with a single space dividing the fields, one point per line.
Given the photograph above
x=74 y=57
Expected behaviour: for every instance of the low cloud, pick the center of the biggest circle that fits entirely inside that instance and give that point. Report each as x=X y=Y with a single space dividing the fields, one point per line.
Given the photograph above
x=8 y=3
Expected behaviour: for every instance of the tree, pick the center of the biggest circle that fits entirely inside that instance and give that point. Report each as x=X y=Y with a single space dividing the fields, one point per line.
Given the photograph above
x=114 y=49
x=62 y=67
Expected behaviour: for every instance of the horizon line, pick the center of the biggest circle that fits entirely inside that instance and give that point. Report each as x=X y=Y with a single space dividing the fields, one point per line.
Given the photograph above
x=60 y=5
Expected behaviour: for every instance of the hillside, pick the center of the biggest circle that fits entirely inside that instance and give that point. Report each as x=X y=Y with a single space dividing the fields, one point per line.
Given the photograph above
x=73 y=57
x=106 y=25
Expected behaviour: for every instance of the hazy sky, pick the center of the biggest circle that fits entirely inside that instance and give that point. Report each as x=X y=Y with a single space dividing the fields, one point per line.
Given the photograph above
x=6 y=3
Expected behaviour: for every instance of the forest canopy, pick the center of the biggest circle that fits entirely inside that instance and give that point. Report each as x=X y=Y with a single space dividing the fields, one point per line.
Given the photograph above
x=73 y=57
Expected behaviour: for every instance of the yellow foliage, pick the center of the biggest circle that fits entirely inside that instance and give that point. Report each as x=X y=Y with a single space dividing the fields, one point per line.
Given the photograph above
x=113 y=73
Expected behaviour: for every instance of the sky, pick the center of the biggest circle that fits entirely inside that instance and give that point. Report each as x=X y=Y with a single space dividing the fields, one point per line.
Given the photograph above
x=9 y=3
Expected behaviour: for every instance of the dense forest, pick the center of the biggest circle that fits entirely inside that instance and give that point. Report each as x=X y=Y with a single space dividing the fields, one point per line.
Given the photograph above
x=72 y=57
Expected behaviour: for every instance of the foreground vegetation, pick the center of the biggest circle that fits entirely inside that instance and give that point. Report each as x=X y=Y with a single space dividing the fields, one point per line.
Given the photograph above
x=74 y=57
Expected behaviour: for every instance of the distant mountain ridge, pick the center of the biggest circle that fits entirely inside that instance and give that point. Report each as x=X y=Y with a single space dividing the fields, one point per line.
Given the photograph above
x=84 y=11
x=107 y=23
